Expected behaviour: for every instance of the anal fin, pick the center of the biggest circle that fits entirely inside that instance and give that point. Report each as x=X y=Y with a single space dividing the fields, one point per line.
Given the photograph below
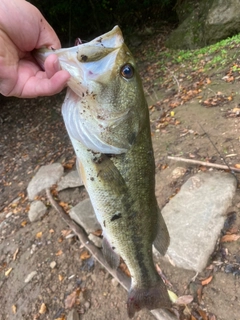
x=112 y=258
x=162 y=239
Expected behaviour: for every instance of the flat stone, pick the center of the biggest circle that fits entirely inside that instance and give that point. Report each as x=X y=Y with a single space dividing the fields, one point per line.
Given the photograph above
x=195 y=217
x=70 y=180
x=44 y=178
x=84 y=215
x=37 y=210
x=73 y=315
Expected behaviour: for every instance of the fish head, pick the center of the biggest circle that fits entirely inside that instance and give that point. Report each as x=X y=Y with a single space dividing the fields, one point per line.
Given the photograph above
x=105 y=107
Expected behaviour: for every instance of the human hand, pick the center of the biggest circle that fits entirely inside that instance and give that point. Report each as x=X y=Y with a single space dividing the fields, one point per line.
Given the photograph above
x=23 y=29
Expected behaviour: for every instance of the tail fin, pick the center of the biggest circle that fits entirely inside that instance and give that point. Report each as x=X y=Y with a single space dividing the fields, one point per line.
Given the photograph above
x=150 y=298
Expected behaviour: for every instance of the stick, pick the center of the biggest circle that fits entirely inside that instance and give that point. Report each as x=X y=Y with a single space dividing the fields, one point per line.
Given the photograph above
x=202 y=163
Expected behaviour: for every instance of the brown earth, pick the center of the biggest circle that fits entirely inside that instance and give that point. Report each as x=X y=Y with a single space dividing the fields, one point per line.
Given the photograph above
x=32 y=134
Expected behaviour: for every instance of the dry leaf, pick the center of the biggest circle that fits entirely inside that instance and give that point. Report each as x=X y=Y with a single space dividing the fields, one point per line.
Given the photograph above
x=203 y=314
x=65 y=233
x=183 y=300
x=59 y=253
x=15 y=254
x=206 y=281
x=85 y=255
x=42 y=309
x=39 y=235
x=23 y=224
x=8 y=272
x=230 y=237
x=97 y=232
x=68 y=165
x=124 y=268
x=14 y=309
x=71 y=299
x=173 y=297
x=60 y=277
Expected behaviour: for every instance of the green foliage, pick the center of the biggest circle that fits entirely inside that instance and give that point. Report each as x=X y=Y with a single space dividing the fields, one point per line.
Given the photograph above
x=214 y=55
x=70 y=18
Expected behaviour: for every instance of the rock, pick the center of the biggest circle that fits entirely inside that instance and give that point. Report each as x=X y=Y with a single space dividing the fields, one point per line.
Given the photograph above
x=96 y=240
x=87 y=305
x=195 y=217
x=204 y=22
x=44 y=178
x=73 y=315
x=84 y=215
x=53 y=264
x=37 y=210
x=115 y=283
x=178 y=172
x=70 y=180
x=30 y=276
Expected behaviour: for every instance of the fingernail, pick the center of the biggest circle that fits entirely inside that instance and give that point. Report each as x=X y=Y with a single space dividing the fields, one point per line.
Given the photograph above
x=57 y=65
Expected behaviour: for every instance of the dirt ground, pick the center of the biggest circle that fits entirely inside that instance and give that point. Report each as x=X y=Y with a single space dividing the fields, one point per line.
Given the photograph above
x=33 y=134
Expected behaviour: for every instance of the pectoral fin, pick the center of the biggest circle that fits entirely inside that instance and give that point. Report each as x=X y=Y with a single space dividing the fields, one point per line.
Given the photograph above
x=112 y=258
x=162 y=239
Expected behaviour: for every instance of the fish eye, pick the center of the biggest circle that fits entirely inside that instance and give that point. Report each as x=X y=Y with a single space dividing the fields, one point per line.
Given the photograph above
x=127 y=71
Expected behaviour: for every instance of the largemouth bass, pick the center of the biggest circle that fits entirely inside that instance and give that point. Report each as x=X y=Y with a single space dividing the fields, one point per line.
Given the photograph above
x=107 y=119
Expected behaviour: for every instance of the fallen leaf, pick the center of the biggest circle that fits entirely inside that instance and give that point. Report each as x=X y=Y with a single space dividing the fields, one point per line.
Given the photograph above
x=183 y=300
x=68 y=165
x=14 y=309
x=237 y=165
x=173 y=297
x=206 y=281
x=8 y=272
x=58 y=253
x=23 y=224
x=60 y=277
x=65 y=233
x=124 y=268
x=203 y=314
x=230 y=237
x=15 y=254
x=42 y=309
x=39 y=235
x=97 y=232
x=85 y=255
x=71 y=299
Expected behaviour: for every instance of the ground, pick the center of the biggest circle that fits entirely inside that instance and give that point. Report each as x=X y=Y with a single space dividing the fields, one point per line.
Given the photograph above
x=195 y=115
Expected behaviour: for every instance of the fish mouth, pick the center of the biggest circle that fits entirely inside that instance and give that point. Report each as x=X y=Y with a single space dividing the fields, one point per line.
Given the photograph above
x=93 y=66
x=80 y=61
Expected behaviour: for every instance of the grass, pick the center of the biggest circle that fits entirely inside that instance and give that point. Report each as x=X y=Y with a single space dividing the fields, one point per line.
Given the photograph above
x=214 y=56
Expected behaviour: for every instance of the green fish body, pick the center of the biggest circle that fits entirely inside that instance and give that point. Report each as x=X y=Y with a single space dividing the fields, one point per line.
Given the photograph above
x=106 y=115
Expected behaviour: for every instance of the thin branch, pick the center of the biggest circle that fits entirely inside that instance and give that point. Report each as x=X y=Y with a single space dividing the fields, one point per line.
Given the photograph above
x=119 y=275
x=203 y=163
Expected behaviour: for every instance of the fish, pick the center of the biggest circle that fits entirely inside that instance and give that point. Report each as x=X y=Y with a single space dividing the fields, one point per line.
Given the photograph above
x=107 y=119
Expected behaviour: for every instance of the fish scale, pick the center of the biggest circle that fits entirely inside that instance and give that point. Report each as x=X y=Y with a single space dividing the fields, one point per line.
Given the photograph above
x=107 y=119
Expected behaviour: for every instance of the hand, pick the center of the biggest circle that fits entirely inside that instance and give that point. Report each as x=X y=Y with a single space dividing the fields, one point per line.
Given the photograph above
x=23 y=29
